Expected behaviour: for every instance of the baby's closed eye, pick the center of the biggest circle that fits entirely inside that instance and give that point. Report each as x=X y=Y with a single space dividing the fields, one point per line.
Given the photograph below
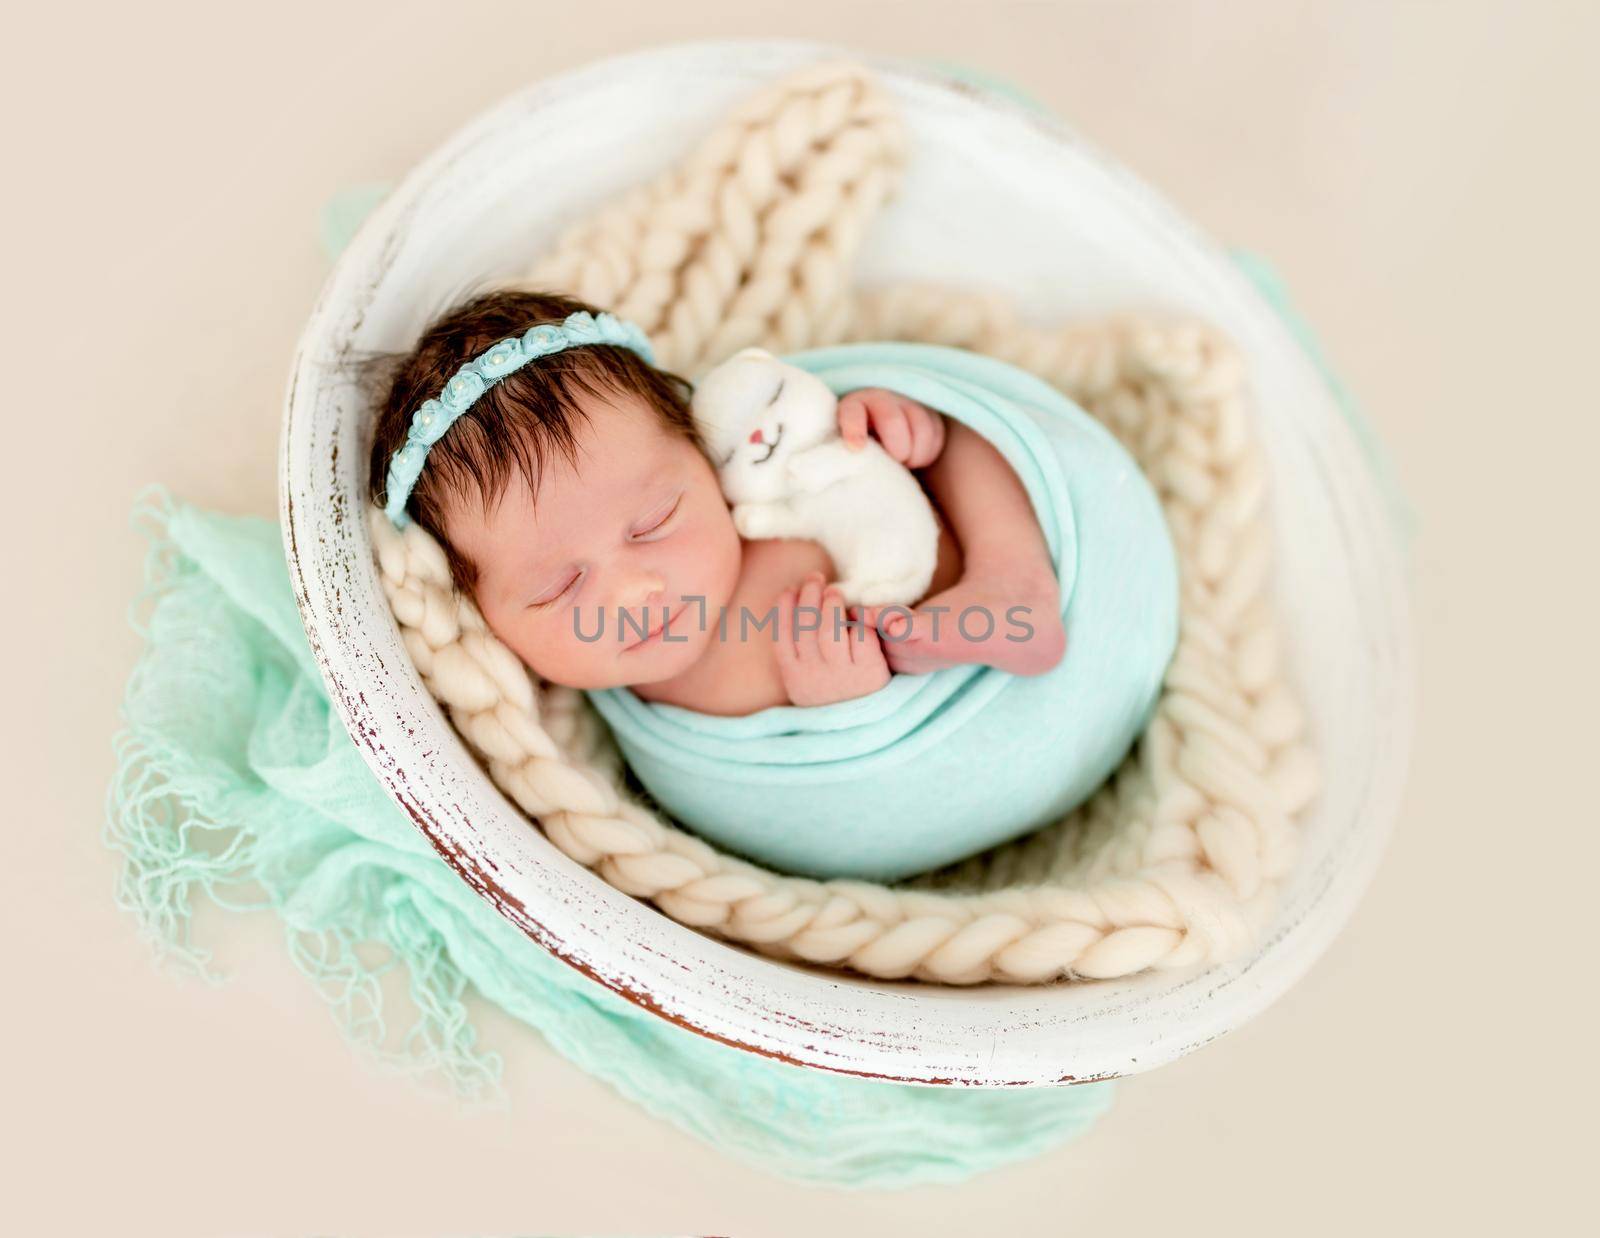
x=549 y=597
x=659 y=518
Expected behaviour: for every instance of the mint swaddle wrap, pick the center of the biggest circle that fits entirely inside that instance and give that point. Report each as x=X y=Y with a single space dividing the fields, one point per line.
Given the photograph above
x=934 y=768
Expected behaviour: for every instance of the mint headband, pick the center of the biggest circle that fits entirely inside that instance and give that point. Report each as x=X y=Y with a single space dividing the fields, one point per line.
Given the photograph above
x=472 y=380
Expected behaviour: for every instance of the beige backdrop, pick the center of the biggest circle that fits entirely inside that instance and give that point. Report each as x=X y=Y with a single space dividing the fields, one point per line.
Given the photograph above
x=1424 y=176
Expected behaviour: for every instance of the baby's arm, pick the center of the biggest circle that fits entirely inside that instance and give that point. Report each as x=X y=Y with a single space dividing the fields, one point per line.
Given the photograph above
x=822 y=658
x=911 y=432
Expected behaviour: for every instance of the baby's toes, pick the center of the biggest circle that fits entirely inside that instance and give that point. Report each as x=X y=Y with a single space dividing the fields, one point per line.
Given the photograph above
x=892 y=621
x=904 y=661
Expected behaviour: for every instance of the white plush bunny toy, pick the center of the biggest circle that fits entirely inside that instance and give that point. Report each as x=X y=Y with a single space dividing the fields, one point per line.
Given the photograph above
x=773 y=432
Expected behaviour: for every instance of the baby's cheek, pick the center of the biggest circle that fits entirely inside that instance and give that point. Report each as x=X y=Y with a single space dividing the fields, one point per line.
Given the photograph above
x=718 y=549
x=560 y=657
x=537 y=644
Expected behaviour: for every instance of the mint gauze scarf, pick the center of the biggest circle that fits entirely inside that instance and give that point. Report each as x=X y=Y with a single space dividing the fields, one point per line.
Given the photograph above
x=236 y=779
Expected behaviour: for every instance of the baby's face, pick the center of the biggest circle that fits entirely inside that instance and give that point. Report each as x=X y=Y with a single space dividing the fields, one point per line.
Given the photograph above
x=638 y=527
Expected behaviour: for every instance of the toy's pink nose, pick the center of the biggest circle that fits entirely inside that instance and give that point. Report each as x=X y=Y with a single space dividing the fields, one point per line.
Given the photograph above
x=755 y=435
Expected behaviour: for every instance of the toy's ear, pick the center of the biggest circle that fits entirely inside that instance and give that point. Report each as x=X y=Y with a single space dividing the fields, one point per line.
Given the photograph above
x=752 y=351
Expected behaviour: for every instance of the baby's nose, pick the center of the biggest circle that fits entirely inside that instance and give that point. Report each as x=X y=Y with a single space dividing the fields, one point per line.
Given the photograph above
x=647 y=590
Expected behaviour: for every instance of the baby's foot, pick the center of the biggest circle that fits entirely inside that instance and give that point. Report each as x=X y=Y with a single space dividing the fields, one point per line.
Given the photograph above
x=1009 y=619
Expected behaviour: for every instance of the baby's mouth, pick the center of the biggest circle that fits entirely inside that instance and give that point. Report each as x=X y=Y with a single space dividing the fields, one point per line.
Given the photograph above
x=772 y=446
x=654 y=633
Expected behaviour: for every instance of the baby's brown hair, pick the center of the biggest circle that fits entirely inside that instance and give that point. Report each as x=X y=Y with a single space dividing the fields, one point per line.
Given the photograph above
x=520 y=421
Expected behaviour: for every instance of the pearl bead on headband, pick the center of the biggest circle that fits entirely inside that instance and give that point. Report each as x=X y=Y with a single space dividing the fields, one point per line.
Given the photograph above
x=472 y=380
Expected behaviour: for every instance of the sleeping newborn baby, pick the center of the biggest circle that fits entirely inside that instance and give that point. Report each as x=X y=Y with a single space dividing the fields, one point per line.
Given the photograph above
x=578 y=504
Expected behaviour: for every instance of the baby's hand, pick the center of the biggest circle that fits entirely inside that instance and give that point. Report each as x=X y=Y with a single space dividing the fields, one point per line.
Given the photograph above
x=910 y=432
x=821 y=658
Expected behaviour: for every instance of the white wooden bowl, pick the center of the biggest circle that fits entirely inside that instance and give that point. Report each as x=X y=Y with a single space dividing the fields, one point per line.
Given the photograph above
x=997 y=197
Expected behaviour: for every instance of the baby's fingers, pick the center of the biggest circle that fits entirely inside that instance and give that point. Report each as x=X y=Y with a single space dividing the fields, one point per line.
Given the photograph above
x=835 y=638
x=853 y=421
x=808 y=618
x=867 y=651
x=893 y=428
x=784 y=634
x=927 y=436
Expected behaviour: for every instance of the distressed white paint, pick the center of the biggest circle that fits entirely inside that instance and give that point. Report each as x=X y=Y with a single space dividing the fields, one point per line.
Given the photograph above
x=993 y=196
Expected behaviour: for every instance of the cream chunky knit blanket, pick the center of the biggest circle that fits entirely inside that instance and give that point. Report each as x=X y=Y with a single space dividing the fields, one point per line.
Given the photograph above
x=1177 y=859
